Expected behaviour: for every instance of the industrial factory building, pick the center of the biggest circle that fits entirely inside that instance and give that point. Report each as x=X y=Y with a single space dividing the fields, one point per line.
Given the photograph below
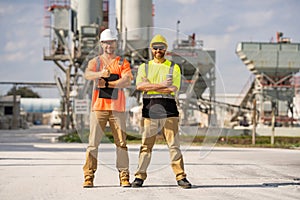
x=22 y=112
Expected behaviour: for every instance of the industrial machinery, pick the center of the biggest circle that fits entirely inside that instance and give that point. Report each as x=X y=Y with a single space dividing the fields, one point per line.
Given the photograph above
x=73 y=29
x=198 y=70
x=275 y=85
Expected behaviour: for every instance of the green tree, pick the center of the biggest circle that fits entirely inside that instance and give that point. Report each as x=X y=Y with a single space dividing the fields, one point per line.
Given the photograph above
x=24 y=92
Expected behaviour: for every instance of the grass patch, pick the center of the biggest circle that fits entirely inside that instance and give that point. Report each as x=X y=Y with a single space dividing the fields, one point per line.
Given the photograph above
x=233 y=141
x=83 y=137
x=246 y=141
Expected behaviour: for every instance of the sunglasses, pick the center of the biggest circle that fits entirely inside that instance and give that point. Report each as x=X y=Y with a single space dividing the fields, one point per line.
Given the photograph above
x=108 y=42
x=159 y=47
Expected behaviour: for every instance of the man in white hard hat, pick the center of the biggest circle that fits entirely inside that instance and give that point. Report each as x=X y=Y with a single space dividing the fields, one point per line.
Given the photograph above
x=110 y=74
x=159 y=79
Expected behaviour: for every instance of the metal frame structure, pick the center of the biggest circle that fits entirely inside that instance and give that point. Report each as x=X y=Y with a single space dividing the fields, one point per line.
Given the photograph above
x=274 y=66
x=70 y=46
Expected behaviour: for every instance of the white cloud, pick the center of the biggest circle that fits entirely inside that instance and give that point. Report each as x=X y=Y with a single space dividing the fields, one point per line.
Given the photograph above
x=15 y=45
x=21 y=50
x=22 y=39
x=186 y=1
x=6 y=9
x=232 y=28
x=219 y=42
x=256 y=18
x=13 y=57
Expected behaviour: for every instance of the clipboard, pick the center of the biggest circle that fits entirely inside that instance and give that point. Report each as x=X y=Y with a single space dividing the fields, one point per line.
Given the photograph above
x=109 y=93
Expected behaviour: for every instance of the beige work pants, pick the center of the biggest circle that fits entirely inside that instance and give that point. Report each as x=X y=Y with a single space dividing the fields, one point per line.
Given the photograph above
x=98 y=120
x=169 y=127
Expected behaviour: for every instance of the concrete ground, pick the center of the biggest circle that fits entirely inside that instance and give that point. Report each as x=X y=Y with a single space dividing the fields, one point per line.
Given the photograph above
x=34 y=166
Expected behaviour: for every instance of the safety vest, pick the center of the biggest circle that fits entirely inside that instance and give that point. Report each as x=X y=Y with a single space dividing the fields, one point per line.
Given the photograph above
x=108 y=103
x=150 y=96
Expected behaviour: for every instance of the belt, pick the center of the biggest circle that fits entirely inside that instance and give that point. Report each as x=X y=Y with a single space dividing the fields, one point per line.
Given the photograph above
x=155 y=96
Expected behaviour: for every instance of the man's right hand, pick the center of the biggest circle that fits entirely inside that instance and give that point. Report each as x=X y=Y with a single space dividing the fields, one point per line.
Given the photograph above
x=145 y=79
x=105 y=73
x=167 y=83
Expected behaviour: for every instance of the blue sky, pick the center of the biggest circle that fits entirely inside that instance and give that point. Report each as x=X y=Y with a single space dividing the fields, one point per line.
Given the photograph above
x=221 y=24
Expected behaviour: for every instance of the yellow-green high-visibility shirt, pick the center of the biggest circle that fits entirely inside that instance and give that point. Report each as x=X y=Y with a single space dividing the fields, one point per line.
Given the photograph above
x=157 y=73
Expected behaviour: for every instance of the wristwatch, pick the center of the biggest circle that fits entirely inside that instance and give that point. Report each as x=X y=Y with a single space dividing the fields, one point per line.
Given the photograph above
x=106 y=83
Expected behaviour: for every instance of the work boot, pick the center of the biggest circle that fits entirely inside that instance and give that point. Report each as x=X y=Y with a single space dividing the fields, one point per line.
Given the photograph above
x=137 y=182
x=88 y=182
x=125 y=183
x=184 y=183
x=124 y=179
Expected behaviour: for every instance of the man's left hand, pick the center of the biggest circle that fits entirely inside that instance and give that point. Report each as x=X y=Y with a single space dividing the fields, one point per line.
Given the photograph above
x=101 y=83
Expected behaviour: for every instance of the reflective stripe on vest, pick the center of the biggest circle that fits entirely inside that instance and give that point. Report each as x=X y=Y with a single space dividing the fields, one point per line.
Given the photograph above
x=155 y=96
x=97 y=69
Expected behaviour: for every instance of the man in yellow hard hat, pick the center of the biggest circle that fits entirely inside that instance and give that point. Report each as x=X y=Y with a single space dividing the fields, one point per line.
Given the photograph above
x=159 y=79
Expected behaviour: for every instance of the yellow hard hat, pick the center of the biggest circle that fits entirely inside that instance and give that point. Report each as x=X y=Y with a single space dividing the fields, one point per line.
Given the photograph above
x=158 y=39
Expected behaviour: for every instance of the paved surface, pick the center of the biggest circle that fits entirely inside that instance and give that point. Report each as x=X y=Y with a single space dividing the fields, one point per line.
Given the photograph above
x=33 y=167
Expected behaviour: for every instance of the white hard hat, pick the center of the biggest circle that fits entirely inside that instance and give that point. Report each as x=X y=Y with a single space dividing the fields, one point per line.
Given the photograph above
x=107 y=35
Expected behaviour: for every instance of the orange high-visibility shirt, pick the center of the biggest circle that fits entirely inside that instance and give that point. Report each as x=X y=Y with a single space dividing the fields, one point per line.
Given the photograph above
x=99 y=104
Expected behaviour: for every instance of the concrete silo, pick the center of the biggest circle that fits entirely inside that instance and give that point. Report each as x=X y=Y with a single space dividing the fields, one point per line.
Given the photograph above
x=134 y=23
x=92 y=18
x=89 y=12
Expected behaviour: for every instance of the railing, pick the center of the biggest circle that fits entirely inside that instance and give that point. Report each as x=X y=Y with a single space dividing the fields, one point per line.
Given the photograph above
x=245 y=90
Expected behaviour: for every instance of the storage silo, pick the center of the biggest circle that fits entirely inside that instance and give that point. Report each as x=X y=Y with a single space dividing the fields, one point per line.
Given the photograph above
x=90 y=19
x=134 y=23
x=89 y=12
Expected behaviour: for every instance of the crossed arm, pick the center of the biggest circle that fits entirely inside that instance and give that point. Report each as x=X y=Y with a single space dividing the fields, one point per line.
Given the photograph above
x=123 y=82
x=163 y=87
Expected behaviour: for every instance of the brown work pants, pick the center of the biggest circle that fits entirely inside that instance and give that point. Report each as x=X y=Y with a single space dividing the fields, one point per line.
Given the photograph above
x=98 y=121
x=169 y=127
